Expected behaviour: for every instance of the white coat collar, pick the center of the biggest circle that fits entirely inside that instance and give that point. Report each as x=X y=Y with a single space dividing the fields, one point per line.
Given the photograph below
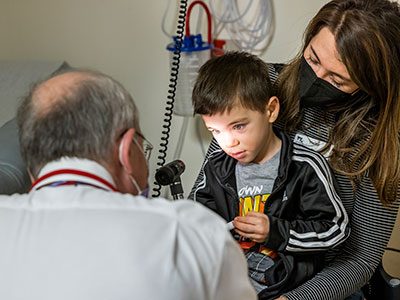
x=76 y=170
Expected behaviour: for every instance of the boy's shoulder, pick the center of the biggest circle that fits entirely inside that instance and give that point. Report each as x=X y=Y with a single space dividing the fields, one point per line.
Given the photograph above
x=300 y=152
x=310 y=158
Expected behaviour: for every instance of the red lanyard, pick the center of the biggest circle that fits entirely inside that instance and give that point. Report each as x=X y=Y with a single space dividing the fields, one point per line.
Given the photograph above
x=82 y=174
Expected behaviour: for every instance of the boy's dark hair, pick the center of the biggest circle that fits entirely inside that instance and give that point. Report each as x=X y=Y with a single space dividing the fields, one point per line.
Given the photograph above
x=232 y=79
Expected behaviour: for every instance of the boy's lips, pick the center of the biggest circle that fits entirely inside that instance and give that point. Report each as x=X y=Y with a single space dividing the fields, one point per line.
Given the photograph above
x=238 y=155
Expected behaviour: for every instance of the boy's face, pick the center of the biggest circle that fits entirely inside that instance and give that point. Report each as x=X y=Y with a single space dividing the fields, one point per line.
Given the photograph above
x=242 y=133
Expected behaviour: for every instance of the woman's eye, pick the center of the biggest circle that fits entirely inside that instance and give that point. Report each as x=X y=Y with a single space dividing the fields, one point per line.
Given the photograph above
x=313 y=60
x=336 y=84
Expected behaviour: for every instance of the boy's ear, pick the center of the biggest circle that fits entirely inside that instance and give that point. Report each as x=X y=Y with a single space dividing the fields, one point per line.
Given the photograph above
x=272 y=109
x=124 y=150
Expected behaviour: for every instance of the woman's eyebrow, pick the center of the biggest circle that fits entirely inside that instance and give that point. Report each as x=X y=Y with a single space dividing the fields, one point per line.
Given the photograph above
x=333 y=73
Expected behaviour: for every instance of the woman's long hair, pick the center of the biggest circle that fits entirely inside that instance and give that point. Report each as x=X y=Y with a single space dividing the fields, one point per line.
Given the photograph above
x=366 y=134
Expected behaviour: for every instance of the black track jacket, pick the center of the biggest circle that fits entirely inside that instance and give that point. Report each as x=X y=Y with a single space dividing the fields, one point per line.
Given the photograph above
x=305 y=212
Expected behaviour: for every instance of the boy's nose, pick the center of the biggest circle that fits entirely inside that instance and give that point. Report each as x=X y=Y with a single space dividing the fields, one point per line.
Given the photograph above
x=230 y=141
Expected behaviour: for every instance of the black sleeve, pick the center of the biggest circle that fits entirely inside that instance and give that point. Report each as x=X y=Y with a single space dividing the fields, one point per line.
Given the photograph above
x=372 y=224
x=198 y=187
x=323 y=222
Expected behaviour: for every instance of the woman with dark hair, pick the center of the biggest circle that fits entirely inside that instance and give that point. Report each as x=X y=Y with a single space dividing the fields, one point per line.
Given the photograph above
x=341 y=96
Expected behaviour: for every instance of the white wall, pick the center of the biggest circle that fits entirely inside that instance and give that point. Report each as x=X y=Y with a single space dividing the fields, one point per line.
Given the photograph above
x=124 y=39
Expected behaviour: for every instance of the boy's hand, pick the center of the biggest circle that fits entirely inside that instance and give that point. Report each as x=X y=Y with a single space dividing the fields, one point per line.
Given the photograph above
x=254 y=226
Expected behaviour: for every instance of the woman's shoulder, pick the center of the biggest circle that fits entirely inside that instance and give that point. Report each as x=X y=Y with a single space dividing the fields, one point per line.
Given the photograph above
x=277 y=66
x=274 y=69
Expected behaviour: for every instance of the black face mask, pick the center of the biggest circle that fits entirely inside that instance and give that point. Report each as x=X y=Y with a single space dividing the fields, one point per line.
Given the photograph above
x=316 y=92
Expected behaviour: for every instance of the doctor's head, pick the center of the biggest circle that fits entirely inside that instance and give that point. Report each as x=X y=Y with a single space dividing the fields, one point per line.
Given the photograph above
x=84 y=114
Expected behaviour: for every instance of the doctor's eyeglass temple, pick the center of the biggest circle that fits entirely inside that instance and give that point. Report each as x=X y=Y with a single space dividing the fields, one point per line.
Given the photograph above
x=147 y=147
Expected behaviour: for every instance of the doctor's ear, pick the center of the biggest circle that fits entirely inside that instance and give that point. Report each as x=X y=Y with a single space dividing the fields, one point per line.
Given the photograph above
x=124 y=150
x=31 y=177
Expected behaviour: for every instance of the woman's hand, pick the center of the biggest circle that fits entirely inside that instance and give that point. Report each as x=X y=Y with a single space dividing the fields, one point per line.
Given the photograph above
x=254 y=226
x=281 y=298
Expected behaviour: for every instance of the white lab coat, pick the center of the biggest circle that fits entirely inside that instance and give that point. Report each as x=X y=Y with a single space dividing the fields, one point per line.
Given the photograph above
x=82 y=242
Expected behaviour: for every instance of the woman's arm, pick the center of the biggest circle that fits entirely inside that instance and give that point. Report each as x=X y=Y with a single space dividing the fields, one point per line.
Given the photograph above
x=371 y=225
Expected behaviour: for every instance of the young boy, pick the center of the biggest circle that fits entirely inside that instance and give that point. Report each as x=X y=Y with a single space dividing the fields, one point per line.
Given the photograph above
x=280 y=196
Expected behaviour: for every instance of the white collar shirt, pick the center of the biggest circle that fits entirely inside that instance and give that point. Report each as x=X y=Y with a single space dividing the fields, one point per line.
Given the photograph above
x=84 y=241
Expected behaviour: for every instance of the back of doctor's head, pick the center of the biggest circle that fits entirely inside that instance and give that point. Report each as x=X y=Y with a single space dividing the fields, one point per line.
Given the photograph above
x=236 y=78
x=78 y=113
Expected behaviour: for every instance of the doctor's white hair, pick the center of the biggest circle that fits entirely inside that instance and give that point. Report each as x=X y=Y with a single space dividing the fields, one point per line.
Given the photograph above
x=84 y=120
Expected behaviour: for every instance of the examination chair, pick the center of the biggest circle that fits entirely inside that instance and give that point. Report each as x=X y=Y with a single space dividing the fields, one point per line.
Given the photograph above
x=13 y=175
x=16 y=77
x=382 y=286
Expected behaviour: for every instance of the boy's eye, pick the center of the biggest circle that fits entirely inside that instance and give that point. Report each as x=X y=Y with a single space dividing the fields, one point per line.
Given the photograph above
x=213 y=131
x=239 y=126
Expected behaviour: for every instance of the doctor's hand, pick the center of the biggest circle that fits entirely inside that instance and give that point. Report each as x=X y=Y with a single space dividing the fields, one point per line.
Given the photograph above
x=254 y=226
